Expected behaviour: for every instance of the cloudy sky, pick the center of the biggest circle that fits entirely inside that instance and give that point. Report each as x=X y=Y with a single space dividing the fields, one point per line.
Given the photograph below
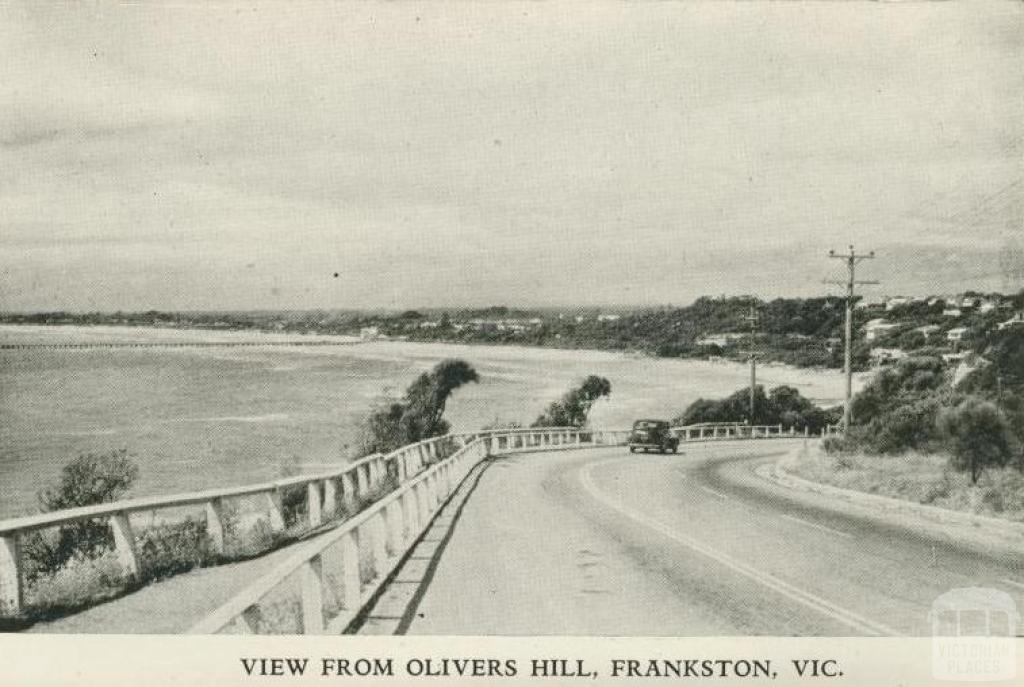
x=183 y=155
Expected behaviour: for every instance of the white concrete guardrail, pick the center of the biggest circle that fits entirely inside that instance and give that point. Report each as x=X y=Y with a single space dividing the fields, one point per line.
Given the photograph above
x=325 y=492
x=324 y=586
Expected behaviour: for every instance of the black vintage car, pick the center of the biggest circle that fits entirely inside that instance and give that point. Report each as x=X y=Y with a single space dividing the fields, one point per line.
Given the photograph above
x=652 y=435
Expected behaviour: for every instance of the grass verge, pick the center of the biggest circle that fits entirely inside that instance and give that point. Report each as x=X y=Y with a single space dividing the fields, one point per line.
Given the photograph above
x=920 y=478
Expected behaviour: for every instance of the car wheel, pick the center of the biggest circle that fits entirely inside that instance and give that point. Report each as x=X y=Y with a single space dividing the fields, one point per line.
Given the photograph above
x=663 y=450
x=632 y=449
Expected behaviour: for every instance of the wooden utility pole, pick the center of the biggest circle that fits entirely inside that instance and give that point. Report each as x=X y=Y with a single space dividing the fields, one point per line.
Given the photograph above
x=752 y=357
x=852 y=259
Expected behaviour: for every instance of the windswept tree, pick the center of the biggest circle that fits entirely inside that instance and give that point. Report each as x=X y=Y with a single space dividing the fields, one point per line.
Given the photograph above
x=574 y=407
x=88 y=480
x=420 y=414
x=977 y=436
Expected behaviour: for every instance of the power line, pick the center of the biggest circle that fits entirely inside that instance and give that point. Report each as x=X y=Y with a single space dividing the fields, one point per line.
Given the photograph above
x=752 y=318
x=852 y=259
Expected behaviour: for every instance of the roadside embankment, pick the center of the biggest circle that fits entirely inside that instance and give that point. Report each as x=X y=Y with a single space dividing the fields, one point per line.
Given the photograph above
x=913 y=489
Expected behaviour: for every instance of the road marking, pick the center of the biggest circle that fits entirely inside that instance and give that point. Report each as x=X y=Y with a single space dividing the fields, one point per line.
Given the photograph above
x=823 y=528
x=715 y=493
x=1011 y=582
x=790 y=591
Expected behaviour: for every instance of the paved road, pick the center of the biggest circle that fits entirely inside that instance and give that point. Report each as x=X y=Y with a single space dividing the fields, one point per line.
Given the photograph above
x=606 y=543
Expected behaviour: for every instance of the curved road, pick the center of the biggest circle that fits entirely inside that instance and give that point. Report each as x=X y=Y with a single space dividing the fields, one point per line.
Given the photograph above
x=602 y=542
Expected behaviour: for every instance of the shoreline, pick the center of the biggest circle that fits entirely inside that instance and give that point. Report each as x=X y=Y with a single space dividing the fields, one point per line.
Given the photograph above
x=305 y=338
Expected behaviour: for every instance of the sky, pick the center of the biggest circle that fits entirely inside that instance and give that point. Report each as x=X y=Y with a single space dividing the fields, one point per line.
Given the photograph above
x=185 y=156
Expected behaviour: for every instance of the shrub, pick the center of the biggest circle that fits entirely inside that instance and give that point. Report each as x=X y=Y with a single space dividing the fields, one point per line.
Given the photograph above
x=88 y=480
x=836 y=445
x=978 y=436
x=173 y=548
x=419 y=415
x=574 y=407
x=904 y=427
x=783 y=405
x=80 y=581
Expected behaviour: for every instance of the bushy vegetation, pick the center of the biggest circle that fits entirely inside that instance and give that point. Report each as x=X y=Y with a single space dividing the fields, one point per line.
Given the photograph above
x=916 y=405
x=573 y=408
x=783 y=405
x=420 y=414
x=88 y=480
x=926 y=478
x=977 y=436
x=897 y=409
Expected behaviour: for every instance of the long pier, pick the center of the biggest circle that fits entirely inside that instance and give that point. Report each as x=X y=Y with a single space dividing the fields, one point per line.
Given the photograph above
x=168 y=344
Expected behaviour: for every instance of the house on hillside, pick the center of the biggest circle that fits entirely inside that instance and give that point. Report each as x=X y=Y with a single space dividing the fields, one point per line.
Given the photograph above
x=956 y=335
x=721 y=340
x=884 y=356
x=969 y=302
x=369 y=333
x=608 y=318
x=870 y=305
x=1015 y=321
x=988 y=305
x=952 y=312
x=895 y=302
x=875 y=328
x=928 y=330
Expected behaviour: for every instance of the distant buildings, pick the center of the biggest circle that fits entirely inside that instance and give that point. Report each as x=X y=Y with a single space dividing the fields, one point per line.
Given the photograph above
x=721 y=340
x=881 y=356
x=956 y=335
x=875 y=328
x=369 y=333
x=1015 y=321
x=895 y=302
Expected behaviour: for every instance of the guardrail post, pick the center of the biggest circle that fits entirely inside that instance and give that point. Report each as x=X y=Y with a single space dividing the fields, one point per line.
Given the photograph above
x=395 y=527
x=351 y=584
x=311 y=580
x=362 y=479
x=378 y=542
x=430 y=484
x=314 y=504
x=807 y=431
x=124 y=543
x=348 y=485
x=215 y=524
x=330 y=497
x=410 y=511
x=371 y=472
x=422 y=496
x=449 y=476
x=12 y=593
x=275 y=510
x=579 y=439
